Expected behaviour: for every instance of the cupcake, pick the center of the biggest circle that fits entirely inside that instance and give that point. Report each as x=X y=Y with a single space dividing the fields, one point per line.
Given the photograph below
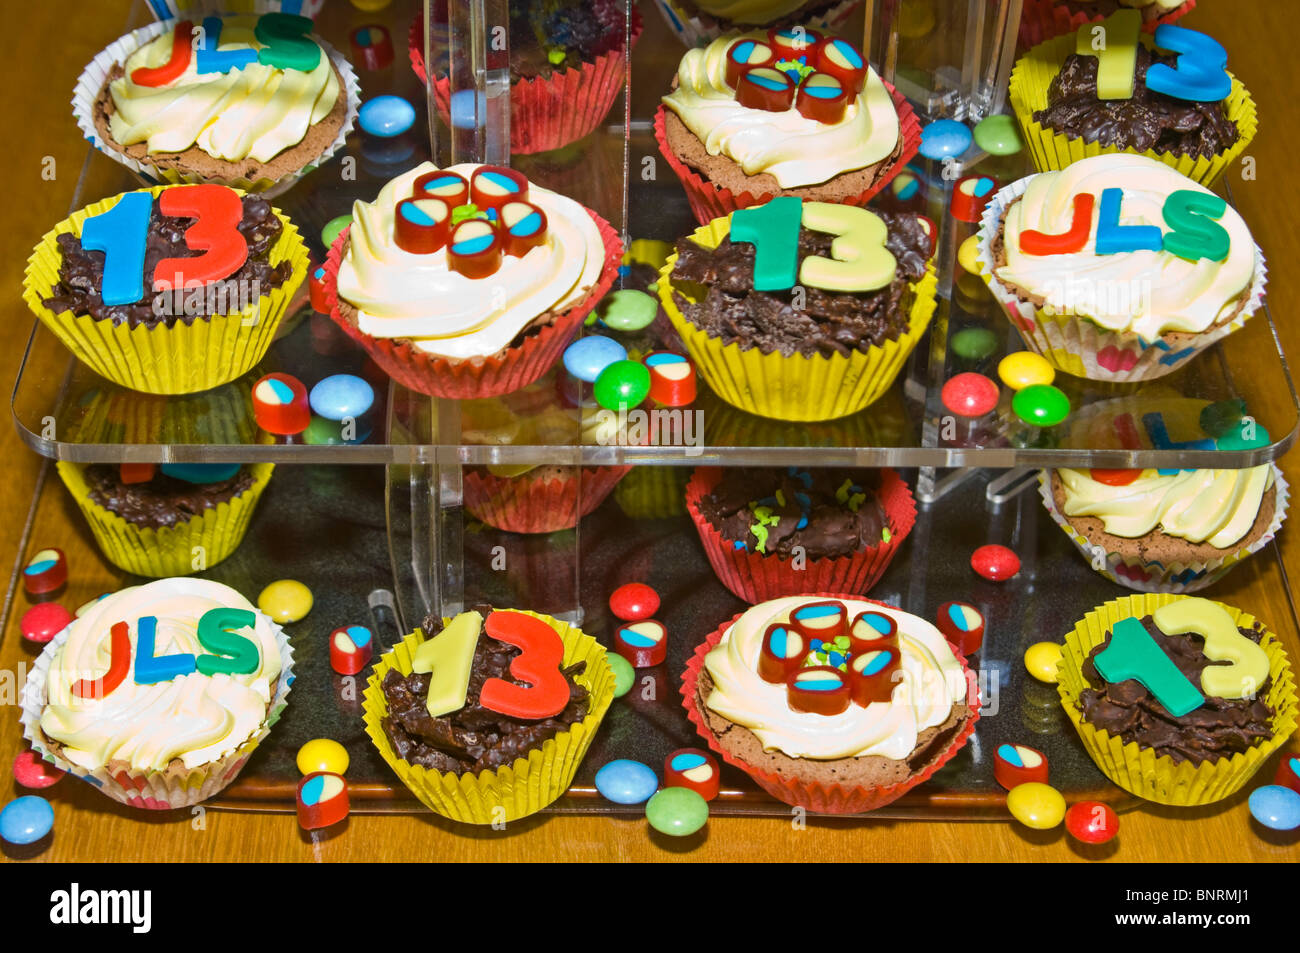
x=1161 y=269
x=437 y=302
x=158 y=694
x=1064 y=117
x=1146 y=682
x=473 y=742
x=568 y=61
x=697 y=22
x=783 y=530
x=1043 y=19
x=833 y=704
x=805 y=352
x=166 y=520
x=213 y=324
x=268 y=104
x=758 y=115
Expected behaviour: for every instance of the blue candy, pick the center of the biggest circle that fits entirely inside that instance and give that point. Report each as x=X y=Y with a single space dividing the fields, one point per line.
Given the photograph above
x=26 y=820
x=386 y=116
x=626 y=782
x=944 y=138
x=1276 y=806
x=340 y=396
x=586 y=357
x=200 y=472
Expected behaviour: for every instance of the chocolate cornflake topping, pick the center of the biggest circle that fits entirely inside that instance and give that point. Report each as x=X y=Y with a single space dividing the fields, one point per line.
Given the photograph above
x=1220 y=728
x=1148 y=120
x=474 y=738
x=827 y=323
x=162 y=500
x=81 y=272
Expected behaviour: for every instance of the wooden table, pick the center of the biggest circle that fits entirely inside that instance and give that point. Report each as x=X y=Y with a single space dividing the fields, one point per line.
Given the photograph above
x=37 y=512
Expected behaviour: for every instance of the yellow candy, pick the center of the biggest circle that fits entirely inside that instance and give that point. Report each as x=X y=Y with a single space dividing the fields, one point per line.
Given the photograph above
x=966 y=255
x=1041 y=660
x=1036 y=805
x=285 y=600
x=1023 y=368
x=323 y=754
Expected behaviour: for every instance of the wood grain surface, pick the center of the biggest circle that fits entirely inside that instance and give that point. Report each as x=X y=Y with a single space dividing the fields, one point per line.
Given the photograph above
x=88 y=827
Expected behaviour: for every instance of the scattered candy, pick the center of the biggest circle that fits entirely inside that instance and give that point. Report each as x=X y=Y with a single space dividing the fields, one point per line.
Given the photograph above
x=1272 y=805
x=622 y=385
x=351 y=648
x=322 y=800
x=626 y=782
x=1092 y=822
x=44 y=621
x=1042 y=660
x=643 y=643
x=316 y=289
x=1014 y=765
x=969 y=394
x=974 y=344
x=586 y=357
x=968 y=255
x=962 y=625
x=323 y=754
x=333 y=228
x=694 y=769
x=1222 y=417
x=672 y=378
x=1288 y=772
x=995 y=563
x=45 y=572
x=27 y=819
x=1041 y=405
x=372 y=46
x=1025 y=369
x=1036 y=805
x=628 y=310
x=970 y=194
x=285 y=600
x=633 y=602
x=624 y=674
x=341 y=396
x=944 y=138
x=322 y=432
x=137 y=472
x=280 y=405
x=677 y=812
x=386 y=116
x=997 y=135
x=31 y=771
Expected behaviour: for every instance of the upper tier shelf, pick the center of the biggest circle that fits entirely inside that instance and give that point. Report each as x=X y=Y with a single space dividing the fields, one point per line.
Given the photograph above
x=65 y=411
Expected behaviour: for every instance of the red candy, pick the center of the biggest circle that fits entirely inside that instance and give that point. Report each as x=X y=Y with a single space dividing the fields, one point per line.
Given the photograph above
x=224 y=249
x=280 y=405
x=32 y=772
x=962 y=625
x=781 y=653
x=755 y=52
x=492 y=186
x=765 y=88
x=475 y=249
x=44 y=621
x=969 y=394
x=1018 y=764
x=372 y=47
x=138 y=472
x=1288 y=772
x=322 y=800
x=842 y=60
x=45 y=572
x=448 y=186
x=633 y=601
x=177 y=63
x=823 y=98
x=1091 y=822
x=821 y=620
x=969 y=196
x=794 y=42
x=672 y=378
x=118 y=665
x=872 y=630
x=643 y=643
x=421 y=226
x=351 y=648
x=995 y=563
x=1114 y=477
x=1038 y=243
x=820 y=690
x=873 y=675
x=694 y=769
x=538 y=664
x=522 y=226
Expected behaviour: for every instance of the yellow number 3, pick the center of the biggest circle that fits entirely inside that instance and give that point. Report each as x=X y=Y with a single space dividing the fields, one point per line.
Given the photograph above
x=859 y=259
x=1223 y=643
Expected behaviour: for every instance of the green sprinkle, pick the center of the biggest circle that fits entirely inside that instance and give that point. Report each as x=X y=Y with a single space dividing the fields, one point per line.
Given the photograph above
x=780 y=498
x=886 y=535
x=557 y=56
x=760 y=534
x=842 y=494
x=462 y=213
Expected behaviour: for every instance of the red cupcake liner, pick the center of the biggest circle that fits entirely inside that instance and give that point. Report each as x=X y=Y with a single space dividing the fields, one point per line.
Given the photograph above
x=708 y=201
x=815 y=795
x=1043 y=19
x=465 y=379
x=546 y=112
x=531 y=503
x=758 y=577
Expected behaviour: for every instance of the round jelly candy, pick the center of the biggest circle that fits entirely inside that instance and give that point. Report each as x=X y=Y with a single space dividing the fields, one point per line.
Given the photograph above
x=943 y=138
x=31 y=771
x=1025 y=369
x=1243 y=437
x=626 y=782
x=677 y=812
x=1041 y=405
x=285 y=600
x=1042 y=660
x=1275 y=806
x=45 y=572
x=995 y=563
x=386 y=116
x=464 y=109
x=624 y=673
x=974 y=344
x=333 y=228
x=342 y=395
x=969 y=394
x=372 y=46
x=1091 y=822
x=1036 y=805
x=634 y=601
x=323 y=754
x=26 y=820
x=280 y=404
x=1222 y=417
x=1288 y=772
x=997 y=135
x=586 y=357
x=622 y=385
x=44 y=621
x=628 y=310
x=968 y=255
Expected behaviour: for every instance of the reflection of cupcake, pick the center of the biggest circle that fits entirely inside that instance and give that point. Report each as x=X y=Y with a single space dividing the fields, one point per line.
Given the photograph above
x=1207 y=727
x=110 y=415
x=471 y=751
x=167 y=722
x=774 y=532
x=175 y=113
x=697 y=22
x=167 y=521
x=170 y=341
x=458 y=318
x=732 y=151
x=804 y=353
x=911 y=703
x=1101 y=308
x=1043 y=19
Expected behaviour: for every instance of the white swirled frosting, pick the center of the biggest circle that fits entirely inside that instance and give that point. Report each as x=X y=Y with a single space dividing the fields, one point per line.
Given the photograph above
x=1149 y=292
x=1201 y=506
x=196 y=718
x=400 y=294
x=793 y=149
x=255 y=112
x=931 y=682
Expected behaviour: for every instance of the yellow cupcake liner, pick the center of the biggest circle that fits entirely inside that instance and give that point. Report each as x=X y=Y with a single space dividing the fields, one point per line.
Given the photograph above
x=183 y=358
x=1051 y=150
x=795 y=388
x=652 y=492
x=1138 y=770
x=108 y=415
x=197 y=544
x=517 y=790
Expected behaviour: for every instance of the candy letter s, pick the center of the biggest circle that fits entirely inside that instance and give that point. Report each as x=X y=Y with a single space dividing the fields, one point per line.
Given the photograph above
x=233 y=654
x=1196 y=234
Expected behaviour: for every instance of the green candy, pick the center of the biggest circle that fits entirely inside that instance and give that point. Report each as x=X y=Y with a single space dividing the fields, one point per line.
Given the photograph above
x=1041 y=405
x=622 y=385
x=997 y=136
x=628 y=310
x=1222 y=417
x=1236 y=439
x=323 y=433
x=677 y=812
x=624 y=675
x=333 y=228
x=974 y=344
